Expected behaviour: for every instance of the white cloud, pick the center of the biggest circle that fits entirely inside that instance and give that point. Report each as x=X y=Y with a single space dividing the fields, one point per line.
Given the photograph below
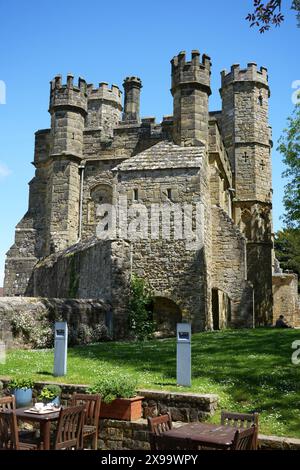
x=4 y=171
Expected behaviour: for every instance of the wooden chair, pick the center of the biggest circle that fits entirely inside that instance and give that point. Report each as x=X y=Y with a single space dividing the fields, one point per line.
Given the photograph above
x=157 y=425
x=69 y=428
x=92 y=405
x=242 y=421
x=8 y=403
x=243 y=439
x=9 y=433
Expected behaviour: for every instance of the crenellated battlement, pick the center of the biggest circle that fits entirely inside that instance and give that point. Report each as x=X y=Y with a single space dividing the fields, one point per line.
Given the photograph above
x=68 y=95
x=104 y=93
x=132 y=81
x=249 y=74
x=132 y=88
x=195 y=71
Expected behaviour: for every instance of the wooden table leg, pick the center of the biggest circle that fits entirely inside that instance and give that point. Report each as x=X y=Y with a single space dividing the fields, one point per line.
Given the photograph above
x=45 y=434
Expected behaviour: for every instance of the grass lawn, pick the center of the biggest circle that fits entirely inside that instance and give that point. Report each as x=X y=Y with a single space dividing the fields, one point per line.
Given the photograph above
x=249 y=369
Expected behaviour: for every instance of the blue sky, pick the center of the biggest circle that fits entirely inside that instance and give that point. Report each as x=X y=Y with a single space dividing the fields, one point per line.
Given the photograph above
x=106 y=41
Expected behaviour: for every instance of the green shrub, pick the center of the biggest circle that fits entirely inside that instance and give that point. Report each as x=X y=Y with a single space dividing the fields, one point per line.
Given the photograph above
x=49 y=392
x=23 y=382
x=36 y=331
x=85 y=334
x=112 y=386
x=140 y=319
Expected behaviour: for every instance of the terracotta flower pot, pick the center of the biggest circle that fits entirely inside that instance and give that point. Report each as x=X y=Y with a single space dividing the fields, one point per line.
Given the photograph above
x=128 y=409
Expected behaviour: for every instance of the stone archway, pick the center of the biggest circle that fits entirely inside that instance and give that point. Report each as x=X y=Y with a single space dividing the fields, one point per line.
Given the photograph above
x=166 y=315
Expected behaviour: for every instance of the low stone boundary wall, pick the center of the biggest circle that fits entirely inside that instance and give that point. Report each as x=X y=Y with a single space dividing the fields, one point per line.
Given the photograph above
x=125 y=435
x=185 y=407
x=278 y=443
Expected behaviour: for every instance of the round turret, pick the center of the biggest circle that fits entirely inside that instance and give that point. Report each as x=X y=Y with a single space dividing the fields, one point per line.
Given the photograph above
x=67 y=95
x=104 y=108
x=191 y=72
x=249 y=74
x=68 y=109
x=190 y=89
x=132 y=87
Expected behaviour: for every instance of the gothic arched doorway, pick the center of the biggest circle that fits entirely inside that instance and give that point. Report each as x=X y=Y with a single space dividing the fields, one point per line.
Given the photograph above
x=166 y=315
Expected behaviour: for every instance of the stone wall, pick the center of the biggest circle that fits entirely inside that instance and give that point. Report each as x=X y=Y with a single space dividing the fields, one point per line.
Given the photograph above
x=29 y=322
x=134 y=435
x=185 y=407
x=122 y=435
x=89 y=270
x=278 y=443
x=260 y=254
x=285 y=298
x=174 y=266
x=229 y=271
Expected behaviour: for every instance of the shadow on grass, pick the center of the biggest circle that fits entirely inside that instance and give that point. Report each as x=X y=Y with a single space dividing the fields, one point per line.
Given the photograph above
x=253 y=367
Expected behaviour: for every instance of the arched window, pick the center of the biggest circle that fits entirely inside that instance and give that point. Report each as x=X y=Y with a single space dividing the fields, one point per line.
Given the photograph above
x=99 y=194
x=102 y=194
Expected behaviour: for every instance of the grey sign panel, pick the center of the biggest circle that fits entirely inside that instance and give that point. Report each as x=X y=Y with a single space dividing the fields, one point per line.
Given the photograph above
x=184 y=367
x=60 y=348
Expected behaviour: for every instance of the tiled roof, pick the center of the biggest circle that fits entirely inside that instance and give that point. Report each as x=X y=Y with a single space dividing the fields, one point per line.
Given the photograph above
x=164 y=155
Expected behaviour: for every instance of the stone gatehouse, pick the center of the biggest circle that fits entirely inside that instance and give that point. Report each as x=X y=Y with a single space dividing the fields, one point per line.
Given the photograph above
x=214 y=164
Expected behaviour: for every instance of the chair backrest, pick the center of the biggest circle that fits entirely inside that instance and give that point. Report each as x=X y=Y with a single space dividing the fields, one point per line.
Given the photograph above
x=9 y=436
x=242 y=421
x=159 y=424
x=243 y=439
x=8 y=403
x=69 y=428
x=92 y=405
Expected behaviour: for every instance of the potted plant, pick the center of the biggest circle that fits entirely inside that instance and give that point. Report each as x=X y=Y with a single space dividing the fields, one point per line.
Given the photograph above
x=21 y=388
x=118 y=397
x=50 y=394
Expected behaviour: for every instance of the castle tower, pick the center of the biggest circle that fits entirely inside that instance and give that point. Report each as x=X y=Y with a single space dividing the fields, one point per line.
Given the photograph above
x=132 y=87
x=190 y=91
x=104 y=108
x=68 y=109
x=246 y=132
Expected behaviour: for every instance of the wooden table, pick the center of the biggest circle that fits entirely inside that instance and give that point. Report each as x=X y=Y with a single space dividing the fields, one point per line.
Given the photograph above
x=204 y=434
x=44 y=420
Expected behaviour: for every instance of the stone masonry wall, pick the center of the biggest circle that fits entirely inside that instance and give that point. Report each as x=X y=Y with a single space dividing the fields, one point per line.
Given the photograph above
x=134 y=435
x=260 y=254
x=230 y=267
x=175 y=273
x=89 y=270
x=66 y=274
x=175 y=269
x=285 y=298
x=29 y=322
